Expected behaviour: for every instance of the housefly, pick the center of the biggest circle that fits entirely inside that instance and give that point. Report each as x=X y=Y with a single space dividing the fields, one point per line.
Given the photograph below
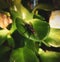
x=29 y=28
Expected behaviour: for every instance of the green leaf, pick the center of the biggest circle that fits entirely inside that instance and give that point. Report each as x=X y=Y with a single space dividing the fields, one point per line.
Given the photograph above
x=3 y=35
x=49 y=56
x=41 y=29
x=10 y=40
x=20 y=26
x=53 y=38
x=23 y=11
x=26 y=15
x=23 y=55
x=14 y=15
x=13 y=28
x=30 y=44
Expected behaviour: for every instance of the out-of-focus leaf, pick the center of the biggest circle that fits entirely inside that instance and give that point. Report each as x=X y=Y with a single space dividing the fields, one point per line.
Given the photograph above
x=40 y=28
x=3 y=49
x=3 y=35
x=23 y=55
x=17 y=3
x=10 y=40
x=53 y=38
x=14 y=15
x=26 y=15
x=49 y=56
x=13 y=27
x=20 y=26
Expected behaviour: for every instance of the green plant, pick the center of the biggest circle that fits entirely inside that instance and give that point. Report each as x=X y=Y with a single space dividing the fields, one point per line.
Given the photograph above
x=21 y=39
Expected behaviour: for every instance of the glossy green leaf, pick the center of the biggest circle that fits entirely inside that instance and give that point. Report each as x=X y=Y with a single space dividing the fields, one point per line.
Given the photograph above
x=23 y=55
x=26 y=15
x=10 y=40
x=20 y=26
x=22 y=29
x=41 y=29
x=3 y=35
x=23 y=11
x=53 y=38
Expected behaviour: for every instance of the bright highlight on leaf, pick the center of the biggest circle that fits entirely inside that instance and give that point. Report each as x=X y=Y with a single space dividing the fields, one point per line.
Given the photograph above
x=49 y=56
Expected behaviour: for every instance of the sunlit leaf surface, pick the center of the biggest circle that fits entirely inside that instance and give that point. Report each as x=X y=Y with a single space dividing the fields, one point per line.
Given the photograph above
x=49 y=56
x=54 y=38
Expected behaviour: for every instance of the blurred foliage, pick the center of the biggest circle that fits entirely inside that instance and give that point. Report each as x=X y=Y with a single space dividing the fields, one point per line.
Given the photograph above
x=28 y=31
